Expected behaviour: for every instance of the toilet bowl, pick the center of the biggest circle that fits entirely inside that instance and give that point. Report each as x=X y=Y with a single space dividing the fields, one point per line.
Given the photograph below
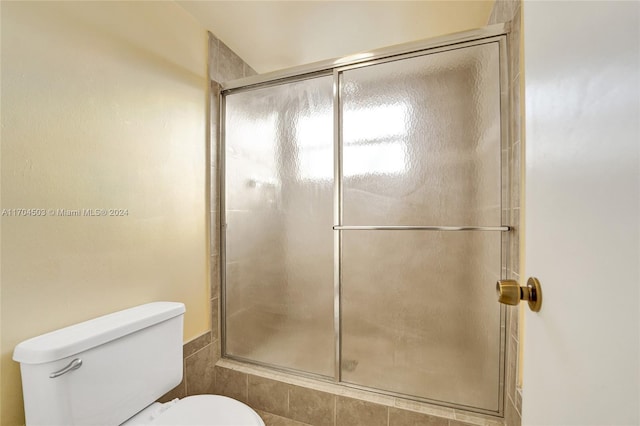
x=201 y=410
x=112 y=369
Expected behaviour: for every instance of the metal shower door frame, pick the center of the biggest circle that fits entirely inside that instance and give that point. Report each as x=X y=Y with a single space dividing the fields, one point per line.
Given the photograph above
x=490 y=34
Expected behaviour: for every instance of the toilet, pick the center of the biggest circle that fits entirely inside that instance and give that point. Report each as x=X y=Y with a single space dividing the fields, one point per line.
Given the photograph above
x=112 y=369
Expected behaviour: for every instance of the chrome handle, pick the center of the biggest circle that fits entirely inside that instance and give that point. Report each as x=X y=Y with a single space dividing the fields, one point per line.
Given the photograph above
x=510 y=293
x=73 y=365
x=419 y=228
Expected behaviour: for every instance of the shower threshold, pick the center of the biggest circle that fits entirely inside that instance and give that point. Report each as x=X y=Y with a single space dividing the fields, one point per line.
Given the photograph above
x=248 y=376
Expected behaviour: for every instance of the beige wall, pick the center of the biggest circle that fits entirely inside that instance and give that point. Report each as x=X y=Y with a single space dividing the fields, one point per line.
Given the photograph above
x=104 y=106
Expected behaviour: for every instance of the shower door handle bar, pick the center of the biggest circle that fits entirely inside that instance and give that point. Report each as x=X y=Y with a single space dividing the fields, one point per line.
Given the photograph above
x=420 y=228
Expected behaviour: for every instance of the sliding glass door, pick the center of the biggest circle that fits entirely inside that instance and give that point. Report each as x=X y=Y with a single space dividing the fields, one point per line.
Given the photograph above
x=421 y=140
x=279 y=213
x=363 y=225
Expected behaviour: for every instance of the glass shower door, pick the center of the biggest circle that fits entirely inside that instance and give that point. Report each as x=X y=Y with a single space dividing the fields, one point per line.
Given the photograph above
x=278 y=300
x=421 y=146
x=382 y=278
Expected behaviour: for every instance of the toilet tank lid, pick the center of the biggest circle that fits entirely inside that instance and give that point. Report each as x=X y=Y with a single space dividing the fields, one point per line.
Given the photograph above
x=76 y=338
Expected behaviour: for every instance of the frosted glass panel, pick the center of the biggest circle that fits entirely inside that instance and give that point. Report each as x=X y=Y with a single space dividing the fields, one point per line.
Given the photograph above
x=279 y=243
x=420 y=145
x=419 y=314
x=421 y=140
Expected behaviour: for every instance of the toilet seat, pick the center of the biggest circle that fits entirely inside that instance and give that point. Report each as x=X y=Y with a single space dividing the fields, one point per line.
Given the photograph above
x=208 y=410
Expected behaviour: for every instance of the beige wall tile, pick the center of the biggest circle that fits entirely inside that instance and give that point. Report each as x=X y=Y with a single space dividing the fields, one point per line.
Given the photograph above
x=505 y=155
x=434 y=411
x=514 y=316
x=514 y=250
x=514 y=38
x=352 y=412
x=229 y=65
x=213 y=55
x=217 y=351
x=248 y=71
x=516 y=119
x=511 y=416
x=214 y=318
x=268 y=395
x=215 y=274
x=214 y=112
x=231 y=383
x=458 y=423
x=199 y=369
x=503 y=10
x=200 y=365
x=512 y=360
x=399 y=417
x=214 y=224
x=355 y=408
x=196 y=344
x=311 y=406
x=515 y=175
x=273 y=420
x=493 y=17
x=477 y=419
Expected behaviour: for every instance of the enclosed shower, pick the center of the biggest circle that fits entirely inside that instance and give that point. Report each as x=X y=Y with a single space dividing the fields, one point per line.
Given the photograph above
x=363 y=225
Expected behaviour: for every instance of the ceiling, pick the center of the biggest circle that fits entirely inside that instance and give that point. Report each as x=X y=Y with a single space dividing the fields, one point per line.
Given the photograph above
x=272 y=35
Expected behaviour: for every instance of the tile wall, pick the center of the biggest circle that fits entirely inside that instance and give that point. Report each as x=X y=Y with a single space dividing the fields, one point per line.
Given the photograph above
x=283 y=399
x=201 y=354
x=511 y=11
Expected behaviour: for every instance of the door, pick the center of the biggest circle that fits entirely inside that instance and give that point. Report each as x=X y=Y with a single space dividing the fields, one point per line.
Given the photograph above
x=581 y=355
x=278 y=257
x=421 y=151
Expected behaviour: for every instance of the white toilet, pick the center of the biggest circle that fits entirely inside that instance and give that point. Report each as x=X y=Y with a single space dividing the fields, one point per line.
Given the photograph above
x=110 y=370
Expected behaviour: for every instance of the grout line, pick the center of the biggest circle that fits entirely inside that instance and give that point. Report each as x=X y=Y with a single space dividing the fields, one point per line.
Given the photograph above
x=193 y=340
x=215 y=379
x=247 y=388
x=184 y=373
x=199 y=350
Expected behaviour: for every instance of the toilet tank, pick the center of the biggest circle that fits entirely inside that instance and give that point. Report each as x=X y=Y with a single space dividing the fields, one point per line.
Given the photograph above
x=128 y=360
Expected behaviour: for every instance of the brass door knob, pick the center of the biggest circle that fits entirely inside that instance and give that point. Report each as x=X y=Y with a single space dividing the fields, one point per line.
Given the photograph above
x=511 y=293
